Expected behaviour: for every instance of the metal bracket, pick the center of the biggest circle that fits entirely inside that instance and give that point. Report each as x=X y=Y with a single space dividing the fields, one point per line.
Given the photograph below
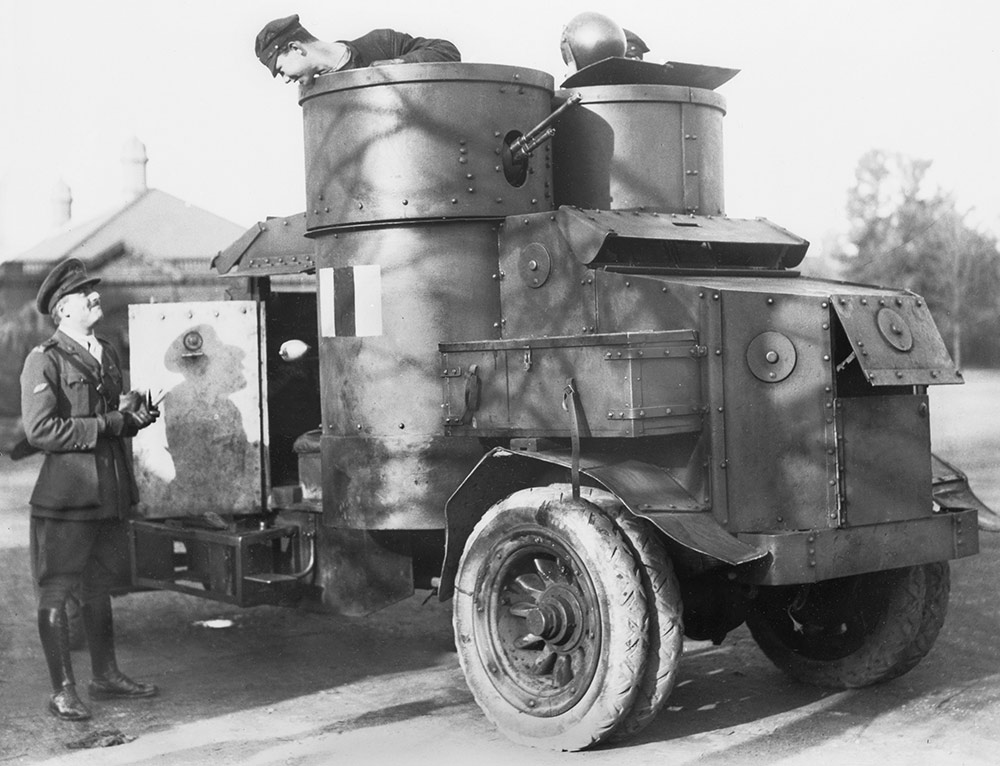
x=571 y=403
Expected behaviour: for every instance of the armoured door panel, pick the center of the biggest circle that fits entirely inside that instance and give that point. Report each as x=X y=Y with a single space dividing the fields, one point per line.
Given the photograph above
x=886 y=458
x=204 y=453
x=780 y=433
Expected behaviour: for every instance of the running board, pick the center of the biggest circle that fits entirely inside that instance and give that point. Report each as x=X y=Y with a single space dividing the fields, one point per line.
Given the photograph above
x=234 y=565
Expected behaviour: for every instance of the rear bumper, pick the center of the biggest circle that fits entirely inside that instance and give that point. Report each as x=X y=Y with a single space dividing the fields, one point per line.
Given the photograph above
x=810 y=556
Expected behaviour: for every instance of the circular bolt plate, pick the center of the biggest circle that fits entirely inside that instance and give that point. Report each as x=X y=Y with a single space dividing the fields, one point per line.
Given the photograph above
x=771 y=357
x=895 y=330
x=193 y=340
x=534 y=264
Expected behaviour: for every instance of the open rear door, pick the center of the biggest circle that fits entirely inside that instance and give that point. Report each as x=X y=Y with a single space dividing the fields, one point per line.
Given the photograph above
x=205 y=452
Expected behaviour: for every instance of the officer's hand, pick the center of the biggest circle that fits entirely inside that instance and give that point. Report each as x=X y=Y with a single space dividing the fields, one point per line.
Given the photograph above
x=142 y=418
x=137 y=409
x=131 y=402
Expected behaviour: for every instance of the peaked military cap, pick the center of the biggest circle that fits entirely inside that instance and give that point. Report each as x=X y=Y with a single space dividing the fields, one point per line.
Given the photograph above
x=273 y=38
x=70 y=276
x=634 y=45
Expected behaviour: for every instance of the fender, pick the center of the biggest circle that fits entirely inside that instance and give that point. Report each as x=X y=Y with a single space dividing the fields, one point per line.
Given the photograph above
x=952 y=492
x=644 y=489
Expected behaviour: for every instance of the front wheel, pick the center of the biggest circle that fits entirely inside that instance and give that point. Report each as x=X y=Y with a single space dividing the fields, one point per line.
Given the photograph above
x=550 y=620
x=852 y=631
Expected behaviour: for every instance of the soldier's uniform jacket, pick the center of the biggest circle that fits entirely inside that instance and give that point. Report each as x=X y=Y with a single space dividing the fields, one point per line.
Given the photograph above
x=85 y=476
x=386 y=44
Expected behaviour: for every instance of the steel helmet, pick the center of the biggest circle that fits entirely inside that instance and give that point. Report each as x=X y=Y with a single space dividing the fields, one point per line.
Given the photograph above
x=589 y=38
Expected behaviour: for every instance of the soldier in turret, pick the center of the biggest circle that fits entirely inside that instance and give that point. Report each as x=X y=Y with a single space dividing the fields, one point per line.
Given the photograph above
x=285 y=47
x=635 y=46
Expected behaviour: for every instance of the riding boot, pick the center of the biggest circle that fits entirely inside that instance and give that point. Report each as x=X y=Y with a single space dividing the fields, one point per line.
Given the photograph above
x=108 y=681
x=54 y=633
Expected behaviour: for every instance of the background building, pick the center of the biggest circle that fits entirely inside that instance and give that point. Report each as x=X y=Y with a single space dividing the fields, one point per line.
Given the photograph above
x=153 y=247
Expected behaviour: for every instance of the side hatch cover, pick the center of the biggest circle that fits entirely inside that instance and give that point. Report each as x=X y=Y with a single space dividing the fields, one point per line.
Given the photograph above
x=895 y=340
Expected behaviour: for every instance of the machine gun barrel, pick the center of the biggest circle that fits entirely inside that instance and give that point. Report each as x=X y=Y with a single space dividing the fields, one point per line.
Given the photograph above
x=524 y=147
x=538 y=135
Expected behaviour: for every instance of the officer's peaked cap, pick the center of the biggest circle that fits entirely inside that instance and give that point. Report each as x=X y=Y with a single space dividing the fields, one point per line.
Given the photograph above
x=70 y=276
x=634 y=44
x=273 y=38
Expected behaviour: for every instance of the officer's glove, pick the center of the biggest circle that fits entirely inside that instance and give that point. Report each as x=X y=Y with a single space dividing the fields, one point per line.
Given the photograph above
x=130 y=402
x=138 y=410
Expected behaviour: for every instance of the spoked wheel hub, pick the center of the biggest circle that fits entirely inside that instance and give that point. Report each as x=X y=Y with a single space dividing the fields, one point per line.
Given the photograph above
x=555 y=618
x=540 y=616
x=551 y=619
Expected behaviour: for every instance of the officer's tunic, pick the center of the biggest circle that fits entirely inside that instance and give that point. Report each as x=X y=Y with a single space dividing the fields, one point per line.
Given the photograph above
x=86 y=485
x=85 y=475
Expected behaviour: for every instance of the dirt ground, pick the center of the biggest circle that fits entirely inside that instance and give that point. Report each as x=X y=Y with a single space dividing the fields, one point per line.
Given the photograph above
x=276 y=686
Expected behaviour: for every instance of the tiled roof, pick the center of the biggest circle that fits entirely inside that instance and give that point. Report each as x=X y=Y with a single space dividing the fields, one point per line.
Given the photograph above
x=156 y=226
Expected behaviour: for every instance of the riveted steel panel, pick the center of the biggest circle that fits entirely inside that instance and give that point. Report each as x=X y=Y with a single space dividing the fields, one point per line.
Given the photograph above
x=629 y=385
x=274 y=246
x=360 y=573
x=386 y=298
x=895 y=340
x=627 y=301
x=421 y=141
x=385 y=481
x=474 y=388
x=811 y=556
x=886 y=448
x=652 y=147
x=623 y=71
x=562 y=303
x=600 y=236
x=204 y=452
x=780 y=433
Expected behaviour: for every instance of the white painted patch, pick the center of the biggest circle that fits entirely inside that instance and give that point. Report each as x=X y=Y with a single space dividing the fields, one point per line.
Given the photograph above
x=327 y=316
x=367 y=300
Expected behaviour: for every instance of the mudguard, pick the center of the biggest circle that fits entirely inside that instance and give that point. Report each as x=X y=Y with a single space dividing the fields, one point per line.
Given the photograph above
x=645 y=490
x=951 y=491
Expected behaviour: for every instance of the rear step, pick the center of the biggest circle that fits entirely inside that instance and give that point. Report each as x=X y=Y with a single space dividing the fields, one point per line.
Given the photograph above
x=234 y=565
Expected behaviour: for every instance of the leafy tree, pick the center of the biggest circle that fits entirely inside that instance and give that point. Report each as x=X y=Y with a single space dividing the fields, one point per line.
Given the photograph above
x=906 y=232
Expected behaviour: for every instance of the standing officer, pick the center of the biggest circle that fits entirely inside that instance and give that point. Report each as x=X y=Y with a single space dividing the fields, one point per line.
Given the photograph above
x=73 y=410
x=286 y=48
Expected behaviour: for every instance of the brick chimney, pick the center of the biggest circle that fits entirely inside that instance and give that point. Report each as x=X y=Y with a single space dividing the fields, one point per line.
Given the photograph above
x=61 y=209
x=134 y=161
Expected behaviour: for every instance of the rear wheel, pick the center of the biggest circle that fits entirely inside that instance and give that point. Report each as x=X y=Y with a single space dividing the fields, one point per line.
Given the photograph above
x=852 y=631
x=550 y=620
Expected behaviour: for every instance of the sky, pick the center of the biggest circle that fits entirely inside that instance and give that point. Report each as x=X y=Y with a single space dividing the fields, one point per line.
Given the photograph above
x=821 y=84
